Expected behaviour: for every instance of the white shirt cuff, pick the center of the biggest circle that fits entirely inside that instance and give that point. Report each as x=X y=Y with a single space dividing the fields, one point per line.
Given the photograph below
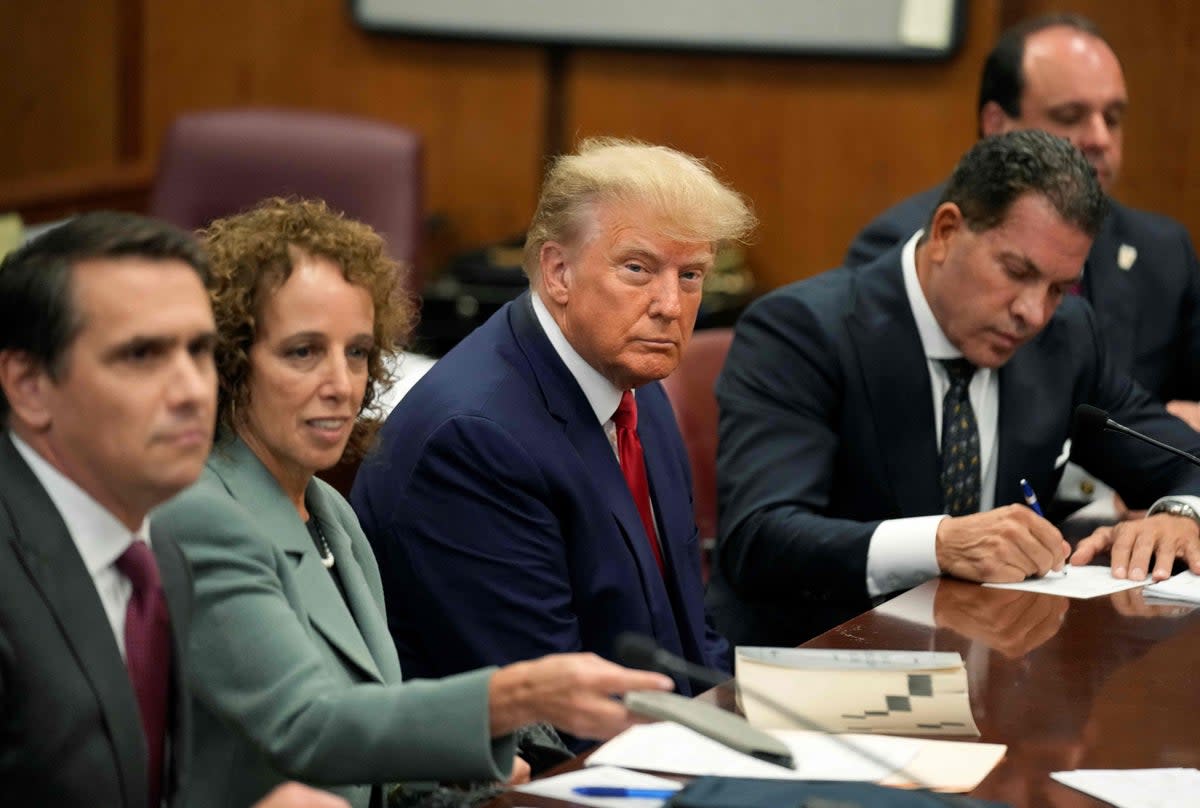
x=902 y=554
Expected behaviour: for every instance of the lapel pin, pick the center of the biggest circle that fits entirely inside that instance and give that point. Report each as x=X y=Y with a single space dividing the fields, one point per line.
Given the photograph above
x=1126 y=255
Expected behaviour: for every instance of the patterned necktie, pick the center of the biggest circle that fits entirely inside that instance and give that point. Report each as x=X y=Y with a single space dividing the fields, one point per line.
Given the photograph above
x=960 y=442
x=633 y=466
x=148 y=655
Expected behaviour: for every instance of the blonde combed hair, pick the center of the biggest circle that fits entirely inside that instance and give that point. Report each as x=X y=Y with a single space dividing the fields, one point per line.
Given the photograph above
x=688 y=202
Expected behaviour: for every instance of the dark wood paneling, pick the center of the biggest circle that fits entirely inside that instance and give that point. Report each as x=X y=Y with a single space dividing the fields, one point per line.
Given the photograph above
x=819 y=145
x=58 y=86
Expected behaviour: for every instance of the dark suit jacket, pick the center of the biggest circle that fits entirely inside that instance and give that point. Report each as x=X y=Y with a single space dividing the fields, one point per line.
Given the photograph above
x=1148 y=313
x=70 y=731
x=827 y=428
x=503 y=526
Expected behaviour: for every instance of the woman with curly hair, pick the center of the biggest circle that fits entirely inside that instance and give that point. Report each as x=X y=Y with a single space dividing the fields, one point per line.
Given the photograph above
x=294 y=672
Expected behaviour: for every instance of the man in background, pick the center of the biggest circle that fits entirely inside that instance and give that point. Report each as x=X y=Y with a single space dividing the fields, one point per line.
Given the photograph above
x=532 y=493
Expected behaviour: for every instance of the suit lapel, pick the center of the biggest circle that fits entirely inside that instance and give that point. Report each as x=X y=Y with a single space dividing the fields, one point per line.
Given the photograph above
x=177 y=587
x=895 y=377
x=249 y=482
x=53 y=562
x=567 y=403
x=1111 y=292
x=1033 y=422
x=368 y=618
x=676 y=519
x=673 y=520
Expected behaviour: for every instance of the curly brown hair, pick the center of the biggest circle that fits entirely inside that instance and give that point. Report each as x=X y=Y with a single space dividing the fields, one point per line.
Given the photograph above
x=253 y=254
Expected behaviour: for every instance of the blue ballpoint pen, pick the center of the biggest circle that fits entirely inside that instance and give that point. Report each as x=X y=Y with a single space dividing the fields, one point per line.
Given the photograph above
x=1032 y=502
x=1031 y=498
x=614 y=791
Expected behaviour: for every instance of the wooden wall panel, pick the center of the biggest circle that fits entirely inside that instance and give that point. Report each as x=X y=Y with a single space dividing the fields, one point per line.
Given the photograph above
x=819 y=145
x=59 y=84
x=478 y=106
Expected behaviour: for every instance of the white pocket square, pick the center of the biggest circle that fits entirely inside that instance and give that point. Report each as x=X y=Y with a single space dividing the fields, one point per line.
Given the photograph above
x=1061 y=460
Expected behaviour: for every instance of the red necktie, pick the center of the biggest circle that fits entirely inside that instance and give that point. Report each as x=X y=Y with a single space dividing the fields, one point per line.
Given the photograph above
x=633 y=466
x=148 y=655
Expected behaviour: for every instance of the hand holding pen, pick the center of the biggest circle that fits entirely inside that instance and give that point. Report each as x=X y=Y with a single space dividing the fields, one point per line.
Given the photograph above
x=1032 y=501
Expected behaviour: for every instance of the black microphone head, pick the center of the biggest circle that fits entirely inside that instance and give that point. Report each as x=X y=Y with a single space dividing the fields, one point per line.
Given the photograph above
x=1090 y=420
x=637 y=651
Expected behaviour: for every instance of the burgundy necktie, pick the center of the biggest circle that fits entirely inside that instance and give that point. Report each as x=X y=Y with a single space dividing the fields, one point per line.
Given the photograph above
x=148 y=655
x=633 y=466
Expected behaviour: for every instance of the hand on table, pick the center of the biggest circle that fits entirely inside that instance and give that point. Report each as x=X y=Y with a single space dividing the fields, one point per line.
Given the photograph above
x=1130 y=546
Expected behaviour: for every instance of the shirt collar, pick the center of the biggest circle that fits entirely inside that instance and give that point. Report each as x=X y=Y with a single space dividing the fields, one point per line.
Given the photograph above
x=602 y=395
x=933 y=340
x=99 y=536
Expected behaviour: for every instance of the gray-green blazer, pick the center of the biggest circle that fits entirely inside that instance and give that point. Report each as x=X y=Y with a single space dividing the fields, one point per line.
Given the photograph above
x=290 y=680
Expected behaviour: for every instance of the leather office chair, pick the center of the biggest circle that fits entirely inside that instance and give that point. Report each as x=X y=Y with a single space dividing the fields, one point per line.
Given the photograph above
x=218 y=163
x=690 y=389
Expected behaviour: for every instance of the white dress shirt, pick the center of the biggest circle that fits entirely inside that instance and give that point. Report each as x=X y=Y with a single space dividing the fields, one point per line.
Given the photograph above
x=902 y=552
x=98 y=535
x=601 y=394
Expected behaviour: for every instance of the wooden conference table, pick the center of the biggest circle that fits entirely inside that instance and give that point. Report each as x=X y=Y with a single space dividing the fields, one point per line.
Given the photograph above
x=1111 y=682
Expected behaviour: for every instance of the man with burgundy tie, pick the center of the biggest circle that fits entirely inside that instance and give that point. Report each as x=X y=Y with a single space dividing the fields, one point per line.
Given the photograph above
x=108 y=398
x=876 y=423
x=532 y=493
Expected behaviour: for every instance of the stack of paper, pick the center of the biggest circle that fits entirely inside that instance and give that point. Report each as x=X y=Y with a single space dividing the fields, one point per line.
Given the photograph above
x=890 y=692
x=1185 y=587
x=1075 y=582
x=894 y=761
x=1135 y=788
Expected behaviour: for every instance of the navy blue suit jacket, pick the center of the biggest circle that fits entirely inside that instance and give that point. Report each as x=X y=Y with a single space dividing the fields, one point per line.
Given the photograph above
x=502 y=523
x=1149 y=313
x=827 y=428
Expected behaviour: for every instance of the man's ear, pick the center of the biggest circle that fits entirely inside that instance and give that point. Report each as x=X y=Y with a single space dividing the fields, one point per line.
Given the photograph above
x=26 y=384
x=555 y=272
x=993 y=120
x=945 y=223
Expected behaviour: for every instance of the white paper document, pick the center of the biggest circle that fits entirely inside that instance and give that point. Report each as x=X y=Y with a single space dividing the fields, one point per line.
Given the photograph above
x=1183 y=587
x=1135 y=788
x=674 y=749
x=1076 y=582
x=561 y=787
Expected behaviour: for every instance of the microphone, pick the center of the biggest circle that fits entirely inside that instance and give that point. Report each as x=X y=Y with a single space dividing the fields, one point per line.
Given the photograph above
x=639 y=651
x=1093 y=420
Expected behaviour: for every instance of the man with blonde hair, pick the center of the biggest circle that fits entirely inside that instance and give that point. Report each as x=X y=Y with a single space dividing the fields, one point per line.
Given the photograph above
x=532 y=493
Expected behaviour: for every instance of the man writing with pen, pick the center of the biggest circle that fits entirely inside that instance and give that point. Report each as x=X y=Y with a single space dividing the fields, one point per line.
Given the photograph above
x=876 y=423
